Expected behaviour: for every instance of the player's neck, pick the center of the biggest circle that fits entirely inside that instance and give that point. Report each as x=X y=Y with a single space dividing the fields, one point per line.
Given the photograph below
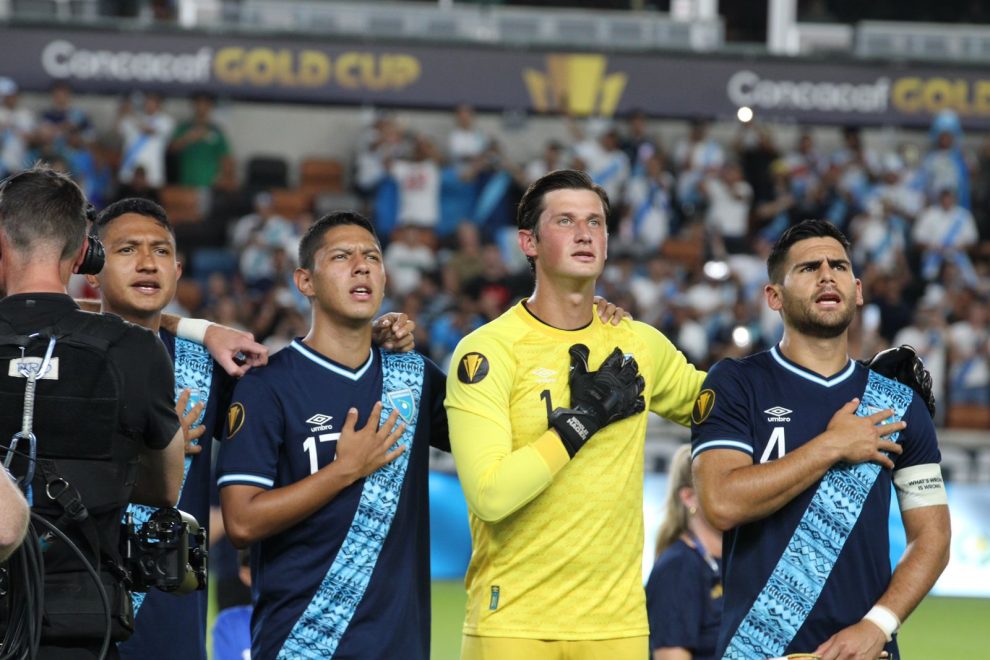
x=343 y=343
x=822 y=356
x=565 y=305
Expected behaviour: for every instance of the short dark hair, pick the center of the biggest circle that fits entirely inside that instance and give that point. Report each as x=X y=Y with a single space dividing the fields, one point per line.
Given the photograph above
x=531 y=206
x=43 y=206
x=805 y=229
x=137 y=206
x=312 y=240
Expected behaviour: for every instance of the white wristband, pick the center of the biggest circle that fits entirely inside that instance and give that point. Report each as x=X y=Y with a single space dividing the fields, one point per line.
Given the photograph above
x=884 y=619
x=193 y=330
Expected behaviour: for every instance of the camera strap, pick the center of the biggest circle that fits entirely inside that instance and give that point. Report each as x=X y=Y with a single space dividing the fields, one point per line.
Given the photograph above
x=74 y=512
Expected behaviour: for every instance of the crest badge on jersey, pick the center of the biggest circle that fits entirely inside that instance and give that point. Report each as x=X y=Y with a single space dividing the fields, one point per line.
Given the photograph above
x=405 y=402
x=235 y=419
x=472 y=368
x=703 y=406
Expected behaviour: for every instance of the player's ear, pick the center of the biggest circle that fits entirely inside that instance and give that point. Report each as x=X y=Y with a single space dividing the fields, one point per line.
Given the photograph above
x=773 y=294
x=304 y=281
x=859 y=292
x=92 y=281
x=80 y=255
x=527 y=242
x=178 y=269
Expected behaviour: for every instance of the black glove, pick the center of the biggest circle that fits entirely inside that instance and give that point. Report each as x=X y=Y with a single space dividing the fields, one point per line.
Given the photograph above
x=598 y=398
x=903 y=365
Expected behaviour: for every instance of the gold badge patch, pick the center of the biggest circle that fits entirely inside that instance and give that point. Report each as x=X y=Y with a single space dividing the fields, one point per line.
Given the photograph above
x=472 y=368
x=703 y=406
x=235 y=419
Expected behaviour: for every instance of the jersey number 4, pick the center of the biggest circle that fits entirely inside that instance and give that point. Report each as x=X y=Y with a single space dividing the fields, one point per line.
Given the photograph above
x=776 y=441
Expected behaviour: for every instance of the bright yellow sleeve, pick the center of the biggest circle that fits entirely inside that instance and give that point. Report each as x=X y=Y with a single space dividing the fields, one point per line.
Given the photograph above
x=497 y=478
x=676 y=382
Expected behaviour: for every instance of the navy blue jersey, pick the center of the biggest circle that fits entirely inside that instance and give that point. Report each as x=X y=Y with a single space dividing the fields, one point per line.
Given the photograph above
x=765 y=406
x=282 y=426
x=166 y=625
x=684 y=602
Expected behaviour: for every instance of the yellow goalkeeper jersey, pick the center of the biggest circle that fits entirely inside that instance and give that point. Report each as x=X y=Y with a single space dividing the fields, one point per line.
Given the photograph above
x=556 y=543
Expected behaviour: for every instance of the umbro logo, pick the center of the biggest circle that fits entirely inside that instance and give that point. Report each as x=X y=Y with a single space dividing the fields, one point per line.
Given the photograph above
x=319 y=422
x=778 y=414
x=544 y=375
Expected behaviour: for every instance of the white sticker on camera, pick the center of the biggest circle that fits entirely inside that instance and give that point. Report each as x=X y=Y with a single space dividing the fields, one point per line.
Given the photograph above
x=21 y=367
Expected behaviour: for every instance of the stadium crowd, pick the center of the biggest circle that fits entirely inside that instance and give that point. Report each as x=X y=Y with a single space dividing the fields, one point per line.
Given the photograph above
x=692 y=222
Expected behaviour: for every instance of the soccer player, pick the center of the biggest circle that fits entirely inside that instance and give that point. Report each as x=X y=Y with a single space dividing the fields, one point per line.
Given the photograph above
x=137 y=282
x=551 y=469
x=795 y=451
x=324 y=469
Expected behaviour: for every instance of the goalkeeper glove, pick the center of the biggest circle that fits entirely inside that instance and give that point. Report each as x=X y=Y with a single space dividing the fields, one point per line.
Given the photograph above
x=903 y=365
x=598 y=398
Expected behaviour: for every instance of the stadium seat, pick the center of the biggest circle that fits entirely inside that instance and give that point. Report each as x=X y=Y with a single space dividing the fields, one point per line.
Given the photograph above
x=184 y=203
x=981 y=474
x=957 y=464
x=290 y=203
x=266 y=173
x=319 y=175
x=967 y=416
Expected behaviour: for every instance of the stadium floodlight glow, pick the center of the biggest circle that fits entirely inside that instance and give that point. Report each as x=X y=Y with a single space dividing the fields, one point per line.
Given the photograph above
x=744 y=114
x=717 y=270
x=741 y=336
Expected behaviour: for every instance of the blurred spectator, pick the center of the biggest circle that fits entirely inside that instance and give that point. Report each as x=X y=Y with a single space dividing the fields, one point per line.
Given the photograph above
x=969 y=345
x=945 y=165
x=465 y=141
x=62 y=117
x=604 y=160
x=649 y=214
x=944 y=232
x=407 y=257
x=17 y=127
x=728 y=198
x=263 y=239
x=695 y=156
x=465 y=261
x=418 y=180
x=200 y=144
x=146 y=133
x=552 y=159
x=138 y=187
x=638 y=144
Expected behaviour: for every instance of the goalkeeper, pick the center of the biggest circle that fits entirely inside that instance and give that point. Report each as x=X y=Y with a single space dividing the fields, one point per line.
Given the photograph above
x=551 y=458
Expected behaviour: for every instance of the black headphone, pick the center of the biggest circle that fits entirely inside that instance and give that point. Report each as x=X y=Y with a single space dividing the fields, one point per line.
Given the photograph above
x=96 y=256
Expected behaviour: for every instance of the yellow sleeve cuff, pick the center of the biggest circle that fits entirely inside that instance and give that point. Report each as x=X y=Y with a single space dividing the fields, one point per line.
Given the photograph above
x=551 y=449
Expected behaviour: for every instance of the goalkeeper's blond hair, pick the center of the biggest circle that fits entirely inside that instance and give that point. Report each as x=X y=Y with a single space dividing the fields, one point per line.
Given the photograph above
x=675 y=514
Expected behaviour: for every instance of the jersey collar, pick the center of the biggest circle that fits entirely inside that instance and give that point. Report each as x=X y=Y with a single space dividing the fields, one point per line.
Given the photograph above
x=330 y=365
x=800 y=371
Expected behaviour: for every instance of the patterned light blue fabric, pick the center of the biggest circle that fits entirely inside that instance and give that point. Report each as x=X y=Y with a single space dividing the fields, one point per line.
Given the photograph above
x=799 y=577
x=319 y=630
x=193 y=369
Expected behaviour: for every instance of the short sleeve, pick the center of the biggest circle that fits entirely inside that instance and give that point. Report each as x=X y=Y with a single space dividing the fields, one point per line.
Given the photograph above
x=253 y=430
x=439 y=430
x=918 y=439
x=161 y=422
x=720 y=419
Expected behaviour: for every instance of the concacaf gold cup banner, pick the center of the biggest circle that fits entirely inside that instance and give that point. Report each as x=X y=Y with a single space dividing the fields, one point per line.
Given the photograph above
x=335 y=71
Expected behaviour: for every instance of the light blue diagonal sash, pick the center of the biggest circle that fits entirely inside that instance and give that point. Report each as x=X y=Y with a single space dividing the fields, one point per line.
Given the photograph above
x=319 y=630
x=193 y=369
x=806 y=563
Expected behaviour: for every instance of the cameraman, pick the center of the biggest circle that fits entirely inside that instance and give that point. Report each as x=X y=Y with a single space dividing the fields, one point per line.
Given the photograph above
x=107 y=433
